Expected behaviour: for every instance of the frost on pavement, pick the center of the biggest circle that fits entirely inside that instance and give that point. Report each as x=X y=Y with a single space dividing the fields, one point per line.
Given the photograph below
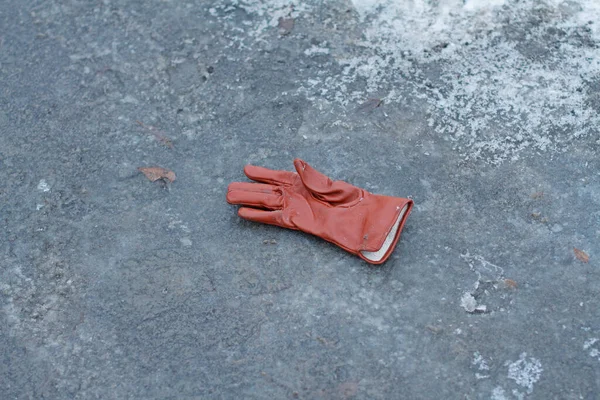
x=525 y=372
x=507 y=75
x=507 y=82
x=499 y=394
x=590 y=345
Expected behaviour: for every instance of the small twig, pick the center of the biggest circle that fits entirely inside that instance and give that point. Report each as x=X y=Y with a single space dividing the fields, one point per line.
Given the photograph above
x=369 y=105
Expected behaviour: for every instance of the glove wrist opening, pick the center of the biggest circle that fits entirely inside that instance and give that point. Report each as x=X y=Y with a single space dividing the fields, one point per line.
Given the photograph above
x=390 y=240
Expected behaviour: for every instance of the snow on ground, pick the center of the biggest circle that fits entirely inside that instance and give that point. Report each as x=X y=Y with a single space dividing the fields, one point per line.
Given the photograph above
x=509 y=75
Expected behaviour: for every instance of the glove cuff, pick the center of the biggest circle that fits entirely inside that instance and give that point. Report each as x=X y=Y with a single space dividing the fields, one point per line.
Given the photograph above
x=384 y=224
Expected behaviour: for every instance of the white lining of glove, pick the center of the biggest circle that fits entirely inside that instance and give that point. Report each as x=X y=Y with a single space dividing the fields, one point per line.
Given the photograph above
x=378 y=255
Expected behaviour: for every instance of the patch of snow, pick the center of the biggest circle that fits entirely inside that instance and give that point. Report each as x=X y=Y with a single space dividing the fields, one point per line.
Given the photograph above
x=43 y=186
x=480 y=362
x=518 y=395
x=485 y=270
x=315 y=50
x=525 y=372
x=499 y=394
x=499 y=76
x=497 y=95
x=482 y=4
x=588 y=345
x=468 y=302
x=270 y=11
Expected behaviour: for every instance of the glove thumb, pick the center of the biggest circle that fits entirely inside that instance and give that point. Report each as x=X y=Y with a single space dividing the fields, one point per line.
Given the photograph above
x=323 y=188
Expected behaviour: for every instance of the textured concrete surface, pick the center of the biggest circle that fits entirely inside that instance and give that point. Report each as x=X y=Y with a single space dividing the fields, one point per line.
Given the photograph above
x=115 y=287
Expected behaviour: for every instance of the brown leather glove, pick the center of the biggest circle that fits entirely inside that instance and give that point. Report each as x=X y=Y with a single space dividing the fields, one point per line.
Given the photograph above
x=362 y=223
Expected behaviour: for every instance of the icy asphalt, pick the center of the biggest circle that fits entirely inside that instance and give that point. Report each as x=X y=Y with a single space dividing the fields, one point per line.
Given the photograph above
x=483 y=112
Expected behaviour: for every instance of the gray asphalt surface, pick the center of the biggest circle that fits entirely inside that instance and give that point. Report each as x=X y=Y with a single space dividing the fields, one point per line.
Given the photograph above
x=114 y=287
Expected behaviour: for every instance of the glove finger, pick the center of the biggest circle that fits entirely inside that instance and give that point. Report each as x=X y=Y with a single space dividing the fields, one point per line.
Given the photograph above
x=253 y=187
x=265 y=175
x=264 y=217
x=271 y=201
x=314 y=180
x=336 y=193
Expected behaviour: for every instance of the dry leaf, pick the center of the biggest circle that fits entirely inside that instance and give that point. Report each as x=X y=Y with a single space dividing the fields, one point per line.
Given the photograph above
x=156 y=173
x=510 y=283
x=581 y=255
x=285 y=25
x=435 y=329
x=348 y=389
x=537 y=195
x=165 y=140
